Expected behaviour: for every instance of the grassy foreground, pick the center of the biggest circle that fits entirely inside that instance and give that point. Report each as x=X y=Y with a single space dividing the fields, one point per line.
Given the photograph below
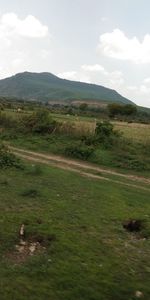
x=92 y=257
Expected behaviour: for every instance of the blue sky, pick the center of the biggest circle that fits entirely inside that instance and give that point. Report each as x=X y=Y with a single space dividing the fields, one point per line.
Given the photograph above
x=106 y=42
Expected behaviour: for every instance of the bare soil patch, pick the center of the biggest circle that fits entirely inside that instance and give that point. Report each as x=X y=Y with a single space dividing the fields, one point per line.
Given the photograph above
x=29 y=245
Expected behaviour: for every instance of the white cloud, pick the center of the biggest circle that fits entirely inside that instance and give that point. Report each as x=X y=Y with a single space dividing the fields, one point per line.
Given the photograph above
x=99 y=75
x=117 y=45
x=138 y=93
x=71 y=75
x=132 y=88
x=93 y=68
x=147 y=80
x=115 y=78
x=104 y=19
x=17 y=62
x=24 y=44
x=29 y=27
x=74 y=75
x=111 y=79
x=144 y=89
x=45 y=53
x=95 y=74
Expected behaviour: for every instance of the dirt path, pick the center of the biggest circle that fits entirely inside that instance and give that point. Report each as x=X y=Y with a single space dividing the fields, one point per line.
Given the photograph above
x=83 y=168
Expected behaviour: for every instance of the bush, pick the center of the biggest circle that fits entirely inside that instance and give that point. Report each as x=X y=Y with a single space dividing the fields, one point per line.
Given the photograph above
x=105 y=134
x=104 y=129
x=80 y=151
x=7 y=159
x=33 y=193
x=131 y=163
x=38 y=122
x=89 y=140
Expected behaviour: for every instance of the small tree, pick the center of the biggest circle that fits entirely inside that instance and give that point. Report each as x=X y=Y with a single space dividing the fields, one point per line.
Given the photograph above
x=105 y=134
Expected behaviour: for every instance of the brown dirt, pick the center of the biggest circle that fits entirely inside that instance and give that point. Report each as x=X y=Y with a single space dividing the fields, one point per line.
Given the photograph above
x=83 y=168
x=31 y=246
x=23 y=250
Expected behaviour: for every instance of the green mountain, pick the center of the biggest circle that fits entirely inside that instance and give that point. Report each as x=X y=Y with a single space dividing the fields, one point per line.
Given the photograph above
x=48 y=87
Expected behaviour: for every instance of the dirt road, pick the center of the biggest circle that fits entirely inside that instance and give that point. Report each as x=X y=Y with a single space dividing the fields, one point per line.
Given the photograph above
x=83 y=168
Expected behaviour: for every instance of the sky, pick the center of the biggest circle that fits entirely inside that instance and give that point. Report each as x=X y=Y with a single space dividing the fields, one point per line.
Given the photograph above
x=106 y=42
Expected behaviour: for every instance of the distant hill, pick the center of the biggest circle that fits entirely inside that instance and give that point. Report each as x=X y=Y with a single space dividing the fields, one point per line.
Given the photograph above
x=48 y=87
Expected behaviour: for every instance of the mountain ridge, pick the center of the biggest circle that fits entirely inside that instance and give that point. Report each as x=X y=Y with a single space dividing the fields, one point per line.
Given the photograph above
x=46 y=86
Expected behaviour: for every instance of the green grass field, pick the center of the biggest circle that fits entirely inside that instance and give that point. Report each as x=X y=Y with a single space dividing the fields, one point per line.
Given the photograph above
x=92 y=256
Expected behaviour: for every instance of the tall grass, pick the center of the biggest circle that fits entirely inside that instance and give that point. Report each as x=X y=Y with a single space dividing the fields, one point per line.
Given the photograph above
x=135 y=132
x=77 y=128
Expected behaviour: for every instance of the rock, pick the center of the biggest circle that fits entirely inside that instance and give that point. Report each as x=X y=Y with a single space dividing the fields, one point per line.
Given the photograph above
x=21 y=232
x=138 y=294
x=32 y=248
x=20 y=249
x=22 y=243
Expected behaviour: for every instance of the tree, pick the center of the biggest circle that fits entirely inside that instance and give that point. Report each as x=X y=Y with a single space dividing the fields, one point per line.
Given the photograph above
x=39 y=122
x=83 y=106
x=120 y=109
x=129 y=109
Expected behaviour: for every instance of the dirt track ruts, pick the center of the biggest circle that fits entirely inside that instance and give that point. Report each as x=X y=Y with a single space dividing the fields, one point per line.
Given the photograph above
x=83 y=168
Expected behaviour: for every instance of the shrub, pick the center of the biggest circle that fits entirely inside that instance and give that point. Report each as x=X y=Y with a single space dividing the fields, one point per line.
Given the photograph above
x=7 y=159
x=30 y=193
x=39 y=122
x=105 y=134
x=104 y=129
x=80 y=151
x=89 y=140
